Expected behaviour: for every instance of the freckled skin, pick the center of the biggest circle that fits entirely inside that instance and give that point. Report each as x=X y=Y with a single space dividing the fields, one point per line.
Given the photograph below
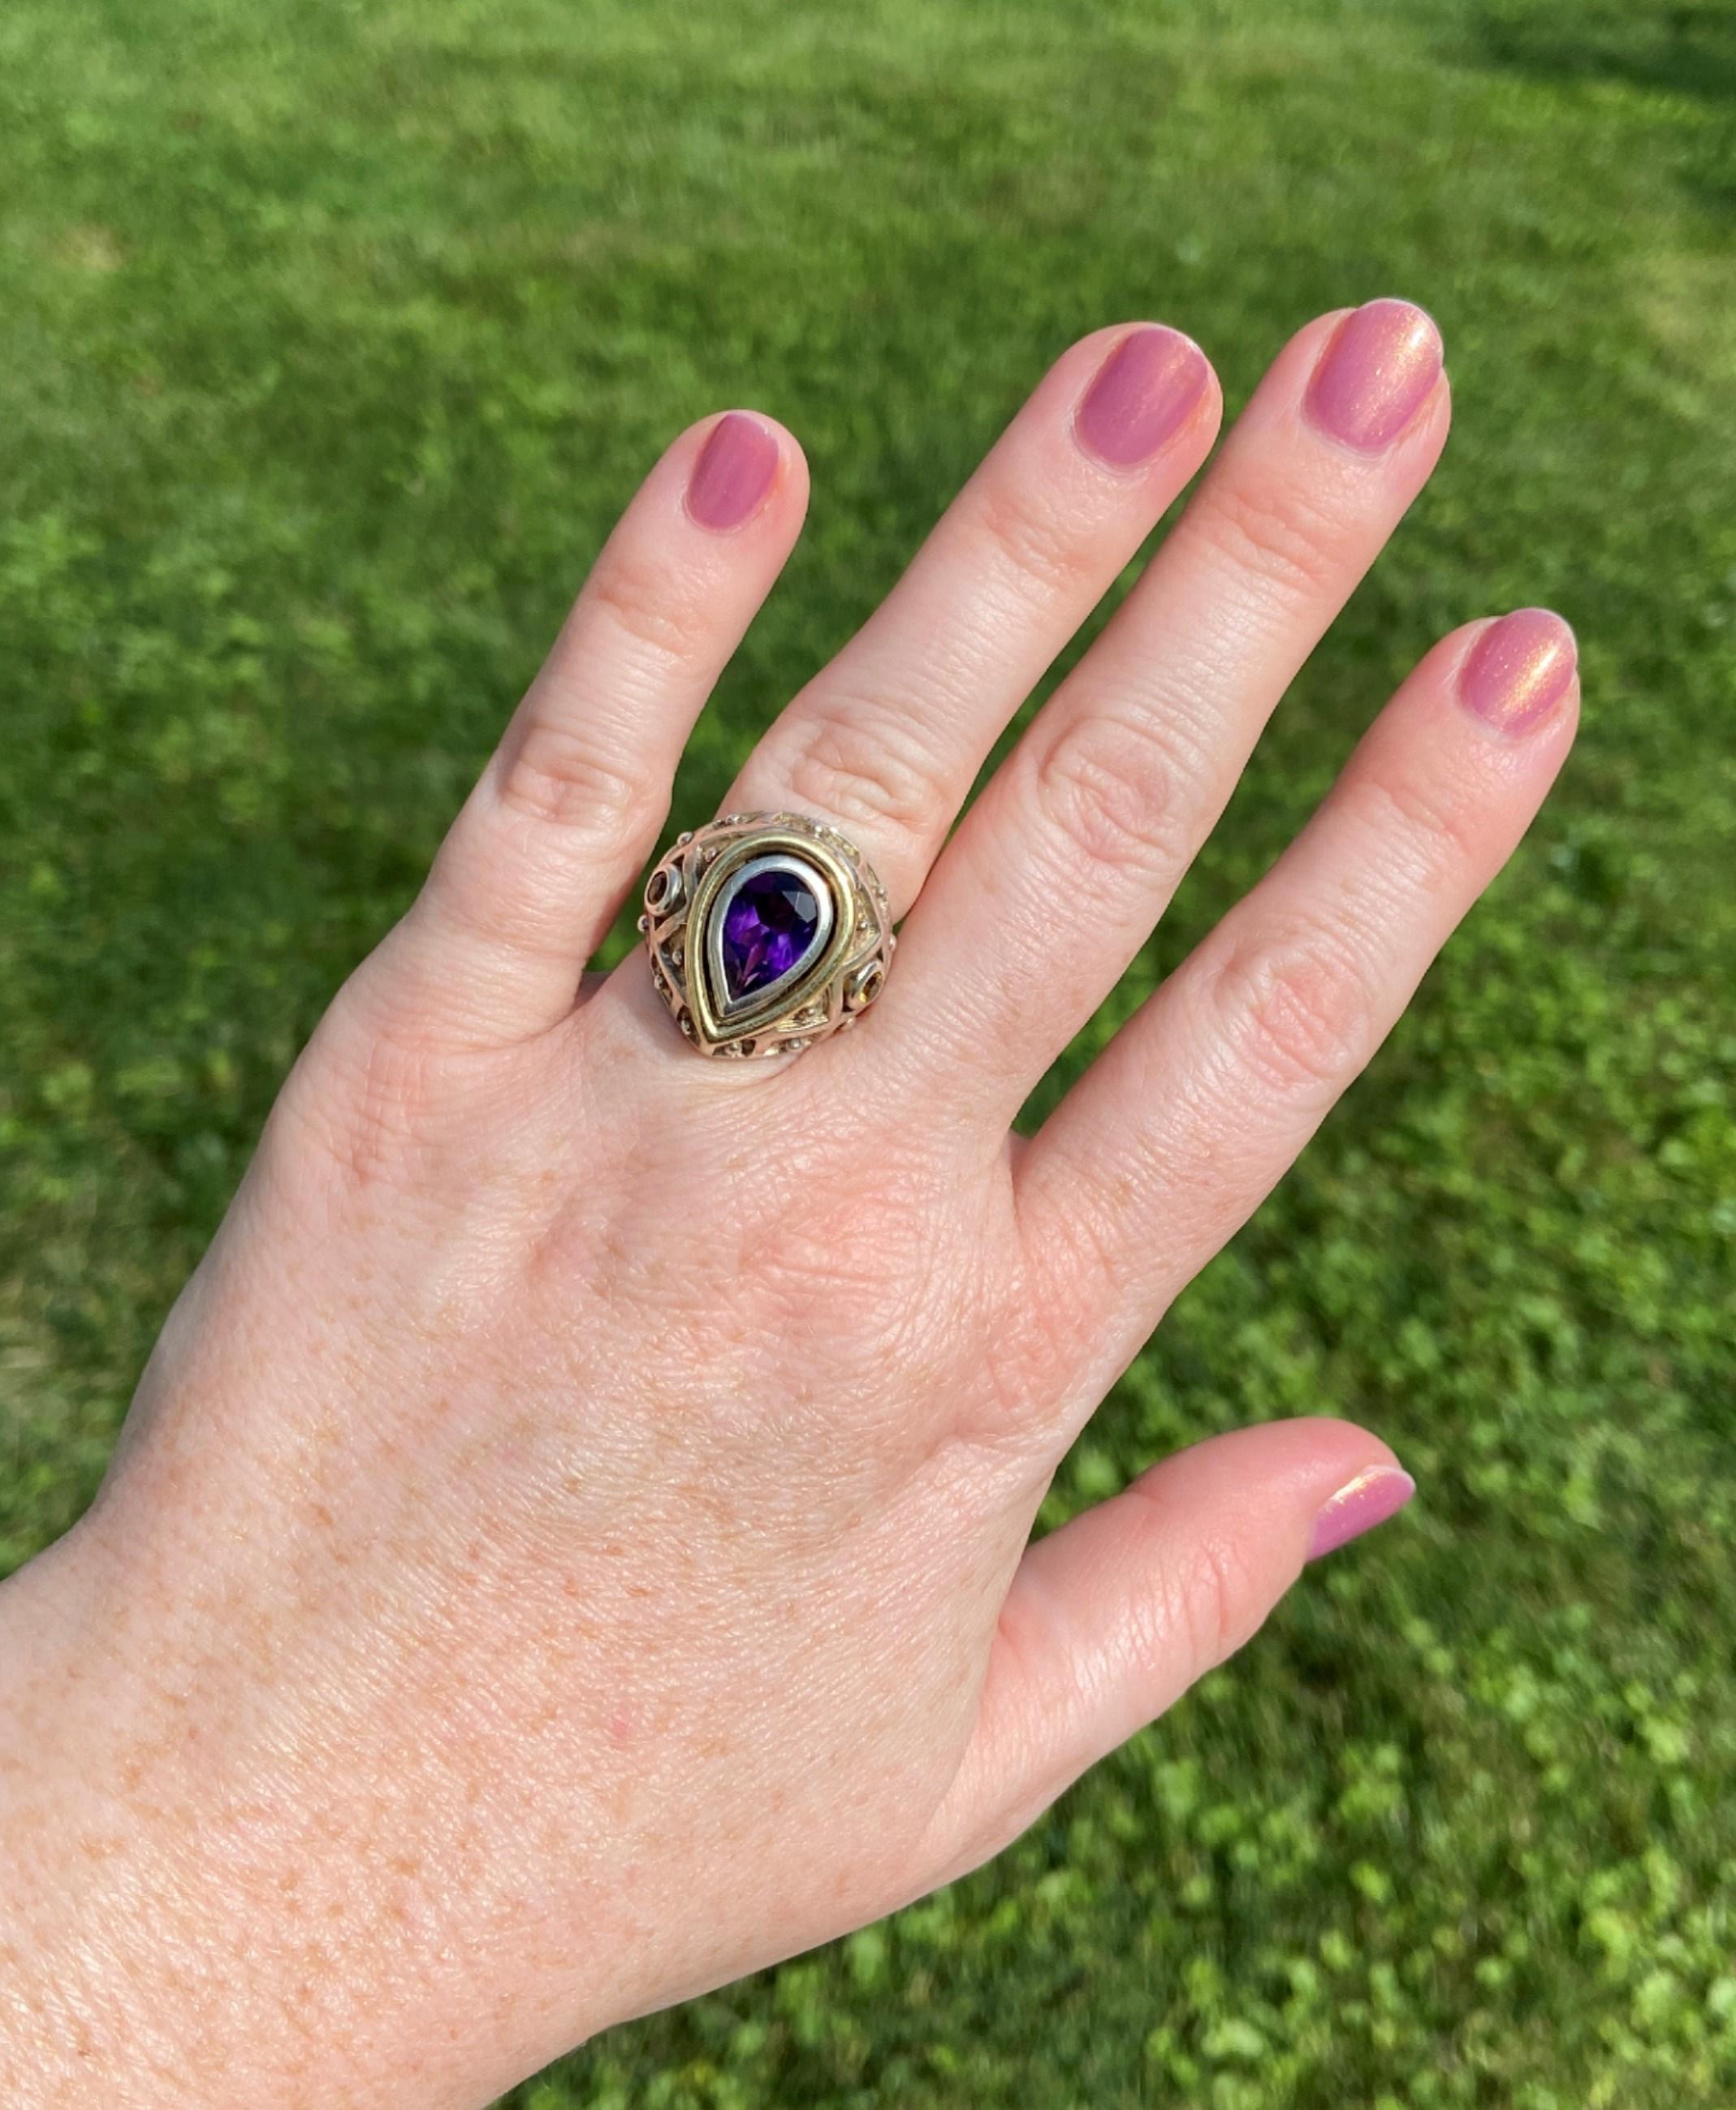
x=568 y=1566
x=625 y=1586
x=569 y=1547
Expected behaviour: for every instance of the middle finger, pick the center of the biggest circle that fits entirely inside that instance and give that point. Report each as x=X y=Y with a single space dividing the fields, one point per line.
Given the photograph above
x=1059 y=870
x=886 y=741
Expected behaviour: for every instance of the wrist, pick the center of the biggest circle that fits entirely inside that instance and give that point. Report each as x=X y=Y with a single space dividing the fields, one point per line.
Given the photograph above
x=68 y=2001
x=195 y=1911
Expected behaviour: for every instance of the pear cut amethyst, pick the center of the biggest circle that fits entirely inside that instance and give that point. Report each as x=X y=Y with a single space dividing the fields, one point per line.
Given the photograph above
x=771 y=924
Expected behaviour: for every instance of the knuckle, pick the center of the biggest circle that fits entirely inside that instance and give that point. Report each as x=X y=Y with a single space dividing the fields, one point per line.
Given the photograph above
x=635 y=591
x=1295 y=1009
x=1116 y=791
x=863 y=769
x=1207 y=1591
x=1221 y=1599
x=1080 y=1258
x=1032 y=539
x=1280 y=534
x=1022 y=1354
x=355 y=1106
x=556 y=776
x=1439 y=831
x=838 y=1282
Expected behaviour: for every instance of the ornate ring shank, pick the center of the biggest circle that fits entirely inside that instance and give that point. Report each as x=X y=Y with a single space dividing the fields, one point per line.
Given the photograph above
x=766 y=932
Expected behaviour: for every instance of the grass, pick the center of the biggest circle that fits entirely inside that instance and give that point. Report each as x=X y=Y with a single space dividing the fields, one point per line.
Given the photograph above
x=331 y=338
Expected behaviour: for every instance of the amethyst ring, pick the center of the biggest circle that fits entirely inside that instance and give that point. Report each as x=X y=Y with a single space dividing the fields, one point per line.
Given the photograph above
x=766 y=933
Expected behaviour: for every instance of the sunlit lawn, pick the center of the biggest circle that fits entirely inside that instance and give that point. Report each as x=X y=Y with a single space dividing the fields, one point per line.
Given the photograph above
x=332 y=338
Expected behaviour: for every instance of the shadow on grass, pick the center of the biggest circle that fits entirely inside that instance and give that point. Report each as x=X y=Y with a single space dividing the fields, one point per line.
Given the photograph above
x=1687 y=50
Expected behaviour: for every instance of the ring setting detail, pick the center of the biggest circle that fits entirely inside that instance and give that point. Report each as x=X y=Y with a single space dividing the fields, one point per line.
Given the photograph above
x=767 y=932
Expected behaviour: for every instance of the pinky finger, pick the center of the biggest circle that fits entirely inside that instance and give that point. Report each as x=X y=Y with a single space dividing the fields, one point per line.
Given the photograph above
x=1201 y=1104
x=1110 y=1618
x=536 y=864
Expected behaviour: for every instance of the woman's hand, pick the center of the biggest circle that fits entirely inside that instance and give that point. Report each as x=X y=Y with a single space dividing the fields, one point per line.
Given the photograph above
x=569 y=1545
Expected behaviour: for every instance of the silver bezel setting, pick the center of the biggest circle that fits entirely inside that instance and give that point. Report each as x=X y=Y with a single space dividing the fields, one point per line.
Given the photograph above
x=727 y=1007
x=686 y=896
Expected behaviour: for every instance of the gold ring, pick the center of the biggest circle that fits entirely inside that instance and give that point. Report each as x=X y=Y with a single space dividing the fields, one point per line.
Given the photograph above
x=767 y=932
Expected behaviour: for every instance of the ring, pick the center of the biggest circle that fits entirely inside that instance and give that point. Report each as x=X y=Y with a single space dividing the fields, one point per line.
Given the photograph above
x=767 y=932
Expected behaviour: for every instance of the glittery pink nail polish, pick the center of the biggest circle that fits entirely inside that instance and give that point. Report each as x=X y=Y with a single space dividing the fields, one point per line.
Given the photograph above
x=1371 y=1498
x=734 y=471
x=1145 y=393
x=1519 y=670
x=1377 y=371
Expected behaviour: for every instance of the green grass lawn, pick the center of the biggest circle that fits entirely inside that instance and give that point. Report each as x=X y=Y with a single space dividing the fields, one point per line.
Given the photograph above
x=332 y=336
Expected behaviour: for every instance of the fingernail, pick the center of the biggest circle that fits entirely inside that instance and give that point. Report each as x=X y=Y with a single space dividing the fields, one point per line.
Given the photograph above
x=1519 y=669
x=1374 y=375
x=1145 y=393
x=1371 y=1498
x=734 y=471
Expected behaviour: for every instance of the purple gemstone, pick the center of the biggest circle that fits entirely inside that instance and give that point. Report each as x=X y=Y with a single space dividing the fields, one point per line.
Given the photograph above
x=769 y=929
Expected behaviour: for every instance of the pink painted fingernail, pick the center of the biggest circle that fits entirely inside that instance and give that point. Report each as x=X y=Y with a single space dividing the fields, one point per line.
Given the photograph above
x=1371 y=1498
x=1519 y=669
x=1375 y=374
x=735 y=470
x=1145 y=393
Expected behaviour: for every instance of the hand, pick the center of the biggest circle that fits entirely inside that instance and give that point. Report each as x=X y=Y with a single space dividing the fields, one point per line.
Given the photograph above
x=569 y=1547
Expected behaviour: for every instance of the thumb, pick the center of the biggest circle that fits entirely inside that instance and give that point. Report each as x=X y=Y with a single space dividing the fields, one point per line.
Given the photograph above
x=1110 y=1618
